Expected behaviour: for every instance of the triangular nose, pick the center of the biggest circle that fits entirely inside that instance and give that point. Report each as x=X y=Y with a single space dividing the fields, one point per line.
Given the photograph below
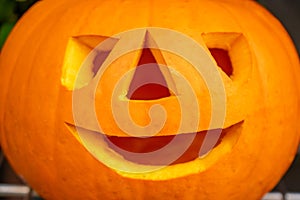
x=148 y=82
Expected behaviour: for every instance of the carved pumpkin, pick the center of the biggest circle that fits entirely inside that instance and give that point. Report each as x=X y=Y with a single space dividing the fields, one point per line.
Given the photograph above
x=53 y=55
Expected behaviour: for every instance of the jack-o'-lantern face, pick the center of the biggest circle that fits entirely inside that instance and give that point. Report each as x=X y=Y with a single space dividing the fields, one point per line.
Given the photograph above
x=149 y=99
x=140 y=78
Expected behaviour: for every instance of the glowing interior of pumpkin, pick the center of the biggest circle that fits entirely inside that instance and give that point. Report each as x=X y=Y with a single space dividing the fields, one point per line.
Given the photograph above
x=148 y=91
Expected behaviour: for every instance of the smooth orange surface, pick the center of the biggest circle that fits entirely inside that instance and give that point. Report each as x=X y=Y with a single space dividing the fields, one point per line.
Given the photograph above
x=263 y=92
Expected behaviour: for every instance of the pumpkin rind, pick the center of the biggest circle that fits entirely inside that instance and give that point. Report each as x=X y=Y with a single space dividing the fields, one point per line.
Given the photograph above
x=34 y=106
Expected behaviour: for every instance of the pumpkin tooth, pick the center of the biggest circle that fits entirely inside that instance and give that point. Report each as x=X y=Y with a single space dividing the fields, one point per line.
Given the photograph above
x=204 y=155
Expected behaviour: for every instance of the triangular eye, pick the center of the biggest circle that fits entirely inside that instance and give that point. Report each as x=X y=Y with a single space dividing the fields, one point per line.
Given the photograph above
x=77 y=51
x=148 y=82
x=223 y=60
x=231 y=52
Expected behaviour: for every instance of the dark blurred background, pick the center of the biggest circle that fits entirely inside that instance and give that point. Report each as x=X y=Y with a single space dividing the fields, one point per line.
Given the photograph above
x=10 y=12
x=287 y=11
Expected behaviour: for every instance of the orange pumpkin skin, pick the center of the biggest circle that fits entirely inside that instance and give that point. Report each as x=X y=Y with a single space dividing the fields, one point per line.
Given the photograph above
x=34 y=105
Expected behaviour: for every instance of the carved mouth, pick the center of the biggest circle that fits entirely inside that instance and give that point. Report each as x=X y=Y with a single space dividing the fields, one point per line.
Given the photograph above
x=190 y=146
